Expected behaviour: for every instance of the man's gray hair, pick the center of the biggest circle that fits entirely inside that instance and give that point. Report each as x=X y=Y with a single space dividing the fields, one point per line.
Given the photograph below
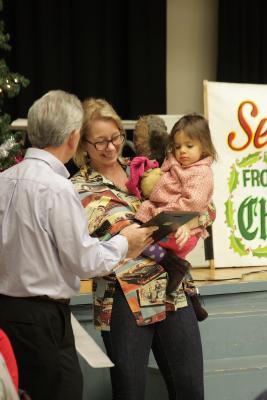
x=53 y=117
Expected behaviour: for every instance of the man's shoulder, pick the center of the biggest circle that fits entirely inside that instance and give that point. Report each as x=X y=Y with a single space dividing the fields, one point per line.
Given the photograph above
x=53 y=180
x=54 y=184
x=42 y=176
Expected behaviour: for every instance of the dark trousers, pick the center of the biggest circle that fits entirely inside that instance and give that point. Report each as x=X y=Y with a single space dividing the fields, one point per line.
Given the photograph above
x=176 y=345
x=41 y=335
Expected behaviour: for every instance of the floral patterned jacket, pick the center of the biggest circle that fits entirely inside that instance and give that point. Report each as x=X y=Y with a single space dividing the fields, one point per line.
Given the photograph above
x=109 y=209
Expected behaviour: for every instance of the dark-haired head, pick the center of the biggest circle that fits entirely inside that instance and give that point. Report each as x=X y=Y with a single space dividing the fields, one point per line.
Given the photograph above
x=151 y=137
x=196 y=127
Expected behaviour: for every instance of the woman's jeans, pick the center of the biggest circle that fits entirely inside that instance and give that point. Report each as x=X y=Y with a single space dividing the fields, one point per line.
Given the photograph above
x=176 y=345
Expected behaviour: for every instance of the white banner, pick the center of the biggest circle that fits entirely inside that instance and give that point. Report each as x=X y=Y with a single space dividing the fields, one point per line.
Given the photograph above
x=237 y=116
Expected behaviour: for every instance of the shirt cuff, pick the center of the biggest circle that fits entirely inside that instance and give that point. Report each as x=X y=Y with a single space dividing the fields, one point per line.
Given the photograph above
x=122 y=244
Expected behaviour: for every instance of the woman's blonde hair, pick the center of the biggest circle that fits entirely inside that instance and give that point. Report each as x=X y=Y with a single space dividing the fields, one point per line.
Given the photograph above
x=94 y=109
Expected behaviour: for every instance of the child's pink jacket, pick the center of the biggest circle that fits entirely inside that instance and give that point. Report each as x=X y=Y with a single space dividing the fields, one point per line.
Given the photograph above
x=180 y=188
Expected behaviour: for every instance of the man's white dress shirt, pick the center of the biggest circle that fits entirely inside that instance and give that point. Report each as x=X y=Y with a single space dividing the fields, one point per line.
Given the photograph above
x=45 y=247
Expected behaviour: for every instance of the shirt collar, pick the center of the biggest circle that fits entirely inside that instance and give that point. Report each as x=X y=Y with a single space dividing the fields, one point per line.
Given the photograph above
x=49 y=158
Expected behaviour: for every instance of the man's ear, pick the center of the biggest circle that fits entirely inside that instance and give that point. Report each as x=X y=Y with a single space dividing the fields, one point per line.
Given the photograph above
x=73 y=139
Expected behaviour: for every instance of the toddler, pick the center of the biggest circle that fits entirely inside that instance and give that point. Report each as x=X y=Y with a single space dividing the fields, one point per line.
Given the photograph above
x=185 y=185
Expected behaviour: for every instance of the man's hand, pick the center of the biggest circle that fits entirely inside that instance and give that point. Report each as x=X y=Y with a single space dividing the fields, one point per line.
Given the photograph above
x=138 y=238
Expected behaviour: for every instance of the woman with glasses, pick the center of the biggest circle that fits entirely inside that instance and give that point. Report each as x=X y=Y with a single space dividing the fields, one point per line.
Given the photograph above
x=130 y=305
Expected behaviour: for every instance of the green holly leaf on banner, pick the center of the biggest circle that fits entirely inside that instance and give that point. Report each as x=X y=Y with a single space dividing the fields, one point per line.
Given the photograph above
x=260 y=251
x=265 y=157
x=237 y=245
x=249 y=160
x=233 y=179
x=229 y=213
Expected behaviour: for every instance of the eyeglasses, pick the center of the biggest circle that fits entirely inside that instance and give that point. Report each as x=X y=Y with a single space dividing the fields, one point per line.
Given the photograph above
x=103 y=144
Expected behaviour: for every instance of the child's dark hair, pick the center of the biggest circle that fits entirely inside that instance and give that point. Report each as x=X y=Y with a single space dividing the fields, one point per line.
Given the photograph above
x=196 y=127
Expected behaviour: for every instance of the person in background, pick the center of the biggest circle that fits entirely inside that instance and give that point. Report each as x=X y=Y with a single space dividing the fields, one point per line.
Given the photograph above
x=45 y=249
x=7 y=388
x=8 y=370
x=130 y=305
x=151 y=138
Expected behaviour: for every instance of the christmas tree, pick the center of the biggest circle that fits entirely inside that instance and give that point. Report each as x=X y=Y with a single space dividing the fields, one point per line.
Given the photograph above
x=10 y=85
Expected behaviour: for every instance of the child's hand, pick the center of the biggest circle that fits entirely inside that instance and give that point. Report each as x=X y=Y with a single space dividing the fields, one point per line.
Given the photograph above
x=182 y=235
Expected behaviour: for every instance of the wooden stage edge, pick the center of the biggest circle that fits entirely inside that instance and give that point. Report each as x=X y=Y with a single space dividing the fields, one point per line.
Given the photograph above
x=211 y=276
x=229 y=274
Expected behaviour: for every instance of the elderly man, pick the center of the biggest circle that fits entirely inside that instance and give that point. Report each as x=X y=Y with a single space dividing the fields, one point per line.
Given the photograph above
x=45 y=249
